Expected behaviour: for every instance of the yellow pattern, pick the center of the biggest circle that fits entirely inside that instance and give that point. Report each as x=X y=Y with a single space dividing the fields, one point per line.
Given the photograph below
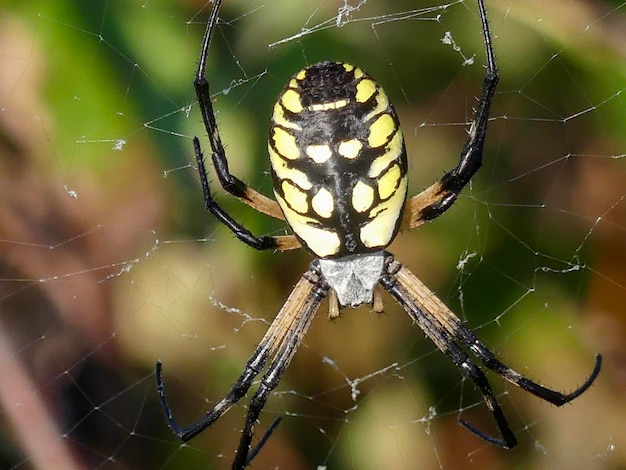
x=380 y=131
x=350 y=148
x=388 y=182
x=393 y=152
x=380 y=230
x=319 y=153
x=291 y=101
x=323 y=203
x=295 y=197
x=283 y=171
x=365 y=89
x=321 y=242
x=362 y=197
x=285 y=143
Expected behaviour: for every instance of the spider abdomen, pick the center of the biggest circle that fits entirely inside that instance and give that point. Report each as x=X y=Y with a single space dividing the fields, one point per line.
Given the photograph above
x=338 y=160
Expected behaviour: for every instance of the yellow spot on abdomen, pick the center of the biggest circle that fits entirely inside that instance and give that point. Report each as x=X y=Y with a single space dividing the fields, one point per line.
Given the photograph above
x=323 y=203
x=280 y=119
x=285 y=143
x=322 y=242
x=362 y=197
x=350 y=148
x=380 y=131
x=380 y=230
x=284 y=172
x=365 y=89
x=328 y=106
x=295 y=197
x=389 y=182
x=319 y=153
x=291 y=101
x=393 y=151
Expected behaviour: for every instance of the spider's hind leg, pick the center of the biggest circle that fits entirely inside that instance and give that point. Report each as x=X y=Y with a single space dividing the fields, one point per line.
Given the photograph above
x=265 y=242
x=229 y=182
x=440 y=196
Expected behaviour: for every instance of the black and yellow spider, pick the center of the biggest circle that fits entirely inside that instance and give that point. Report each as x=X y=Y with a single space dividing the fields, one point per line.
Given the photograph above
x=339 y=170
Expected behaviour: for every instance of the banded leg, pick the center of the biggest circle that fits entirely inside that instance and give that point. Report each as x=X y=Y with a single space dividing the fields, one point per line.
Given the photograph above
x=280 y=243
x=439 y=197
x=229 y=182
x=287 y=349
x=301 y=303
x=448 y=332
x=442 y=339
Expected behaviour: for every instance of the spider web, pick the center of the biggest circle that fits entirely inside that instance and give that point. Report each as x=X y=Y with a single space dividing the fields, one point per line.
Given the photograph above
x=109 y=262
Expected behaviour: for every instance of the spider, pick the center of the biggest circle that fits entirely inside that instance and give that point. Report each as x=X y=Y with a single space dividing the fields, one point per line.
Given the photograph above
x=339 y=171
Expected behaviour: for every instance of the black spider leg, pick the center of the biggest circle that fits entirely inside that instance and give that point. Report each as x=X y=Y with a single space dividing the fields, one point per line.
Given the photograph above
x=430 y=303
x=471 y=156
x=468 y=338
x=263 y=440
x=442 y=339
x=211 y=205
x=280 y=342
x=253 y=367
x=229 y=182
x=438 y=198
x=446 y=330
x=276 y=369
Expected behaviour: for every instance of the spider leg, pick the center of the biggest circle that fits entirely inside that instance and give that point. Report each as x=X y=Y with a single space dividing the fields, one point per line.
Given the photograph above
x=429 y=302
x=229 y=182
x=289 y=345
x=439 y=197
x=263 y=440
x=447 y=331
x=269 y=382
x=300 y=314
x=281 y=243
x=446 y=344
x=244 y=382
x=283 y=336
x=469 y=339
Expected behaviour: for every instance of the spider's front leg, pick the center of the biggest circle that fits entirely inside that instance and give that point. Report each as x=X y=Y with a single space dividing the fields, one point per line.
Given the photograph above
x=211 y=205
x=278 y=346
x=451 y=335
x=229 y=182
x=409 y=292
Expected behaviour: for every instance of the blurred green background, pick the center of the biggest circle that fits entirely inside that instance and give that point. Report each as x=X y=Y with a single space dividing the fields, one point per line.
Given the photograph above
x=109 y=261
